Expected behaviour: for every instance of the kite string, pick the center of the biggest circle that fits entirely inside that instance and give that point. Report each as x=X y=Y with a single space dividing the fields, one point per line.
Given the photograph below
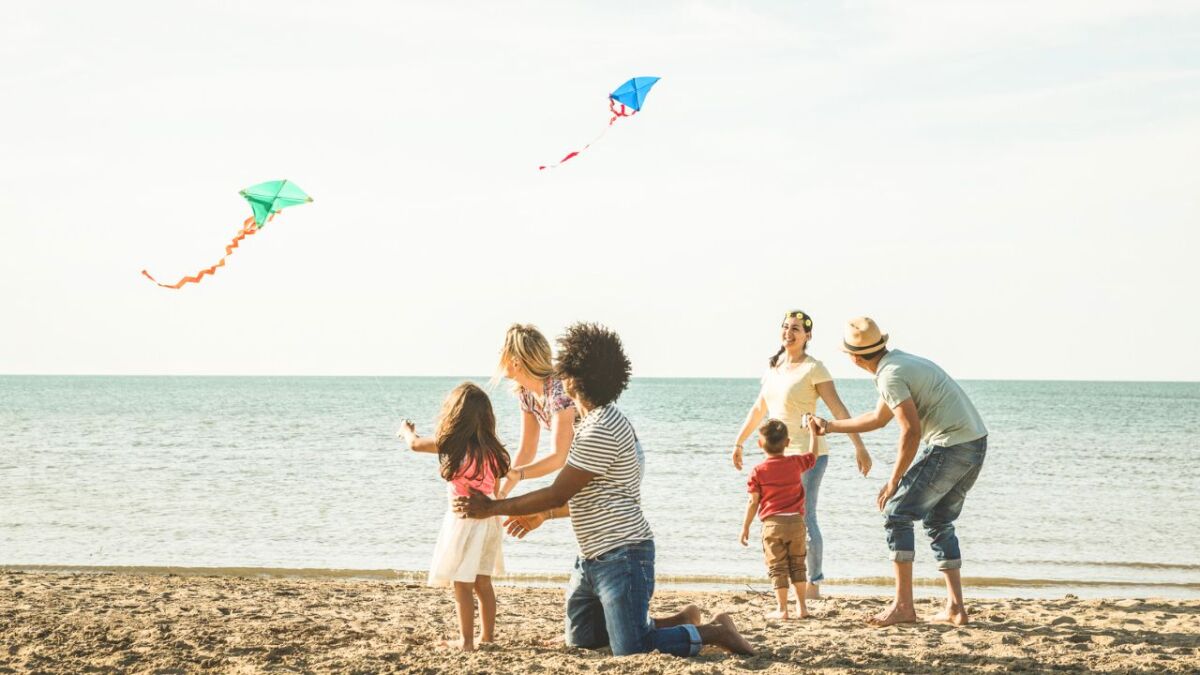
x=612 y=106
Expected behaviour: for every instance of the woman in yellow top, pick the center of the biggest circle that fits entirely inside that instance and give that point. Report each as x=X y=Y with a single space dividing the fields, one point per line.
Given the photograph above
x=545 y=406
x=790 y=389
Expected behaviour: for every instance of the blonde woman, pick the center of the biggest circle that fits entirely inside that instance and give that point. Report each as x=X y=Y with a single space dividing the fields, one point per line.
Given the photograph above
x=790 y=389
x=545 y=406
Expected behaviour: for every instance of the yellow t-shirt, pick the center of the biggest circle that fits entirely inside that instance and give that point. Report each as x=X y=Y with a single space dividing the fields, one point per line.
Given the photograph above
x=789 y=392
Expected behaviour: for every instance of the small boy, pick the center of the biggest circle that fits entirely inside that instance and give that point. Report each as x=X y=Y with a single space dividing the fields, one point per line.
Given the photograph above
x=777 y=495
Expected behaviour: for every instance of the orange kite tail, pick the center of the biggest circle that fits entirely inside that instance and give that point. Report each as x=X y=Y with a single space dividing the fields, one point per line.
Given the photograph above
x=248 y=228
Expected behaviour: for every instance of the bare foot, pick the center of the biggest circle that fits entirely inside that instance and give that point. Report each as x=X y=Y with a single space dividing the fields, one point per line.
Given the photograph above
x=812 y=591
x=692 y=614
x=801 y=611
x=459 y=644
x=893 y=614
x=689 y=614
x=779 y=614
x=955 y=615
x=723 y=633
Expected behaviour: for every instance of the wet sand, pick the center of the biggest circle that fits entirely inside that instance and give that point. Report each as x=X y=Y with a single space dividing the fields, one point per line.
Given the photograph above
x=143 y=623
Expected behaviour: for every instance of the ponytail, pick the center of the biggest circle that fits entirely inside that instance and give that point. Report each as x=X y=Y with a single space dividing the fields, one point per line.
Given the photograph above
x=774 y=360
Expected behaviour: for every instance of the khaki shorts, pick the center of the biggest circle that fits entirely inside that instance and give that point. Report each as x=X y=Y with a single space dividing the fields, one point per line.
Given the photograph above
x=784 y=547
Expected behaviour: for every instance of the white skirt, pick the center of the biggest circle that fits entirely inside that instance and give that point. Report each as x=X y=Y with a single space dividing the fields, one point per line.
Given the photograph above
x=466 y=548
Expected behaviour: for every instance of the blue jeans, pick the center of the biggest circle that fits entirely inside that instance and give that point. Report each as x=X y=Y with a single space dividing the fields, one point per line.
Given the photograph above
x=811 y=480
x=608 y=603
x=933 y=491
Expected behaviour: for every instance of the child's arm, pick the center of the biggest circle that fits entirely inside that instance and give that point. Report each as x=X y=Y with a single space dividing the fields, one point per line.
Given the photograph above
x=751 y=509
x=415 y=443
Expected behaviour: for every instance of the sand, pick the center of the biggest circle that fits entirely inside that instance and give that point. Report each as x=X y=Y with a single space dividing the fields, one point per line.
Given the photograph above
x=143 y=623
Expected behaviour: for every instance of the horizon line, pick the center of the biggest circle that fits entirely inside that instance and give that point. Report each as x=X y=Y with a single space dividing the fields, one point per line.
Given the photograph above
x=488 y=377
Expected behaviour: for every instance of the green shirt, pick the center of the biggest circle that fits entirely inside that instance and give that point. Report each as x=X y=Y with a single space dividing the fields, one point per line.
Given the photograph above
x=947 y=416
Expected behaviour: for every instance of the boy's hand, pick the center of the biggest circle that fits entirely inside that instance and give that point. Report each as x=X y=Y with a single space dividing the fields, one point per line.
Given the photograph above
x=817 y=425
x=745 y=538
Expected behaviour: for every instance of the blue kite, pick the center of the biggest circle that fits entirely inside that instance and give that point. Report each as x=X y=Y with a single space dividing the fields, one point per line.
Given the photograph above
x=630 y=97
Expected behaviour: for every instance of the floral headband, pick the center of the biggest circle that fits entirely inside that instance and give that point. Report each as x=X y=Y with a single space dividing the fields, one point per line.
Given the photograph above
x=797 y=314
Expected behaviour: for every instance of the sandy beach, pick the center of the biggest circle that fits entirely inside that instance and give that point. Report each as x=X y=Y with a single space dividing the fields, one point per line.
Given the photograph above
x=88 y=622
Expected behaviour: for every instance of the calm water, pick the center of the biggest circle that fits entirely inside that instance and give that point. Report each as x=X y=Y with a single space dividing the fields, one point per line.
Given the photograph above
x=1088 y=485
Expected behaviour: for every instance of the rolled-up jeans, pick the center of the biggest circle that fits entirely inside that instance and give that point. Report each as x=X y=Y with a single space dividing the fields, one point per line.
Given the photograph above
x=933 y=491
x=608 y=603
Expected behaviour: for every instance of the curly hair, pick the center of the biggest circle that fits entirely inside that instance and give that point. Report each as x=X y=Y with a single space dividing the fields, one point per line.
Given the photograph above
x=591 y=356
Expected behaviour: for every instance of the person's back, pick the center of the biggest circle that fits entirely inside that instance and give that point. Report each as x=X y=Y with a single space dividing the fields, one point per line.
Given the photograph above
x=947 y=415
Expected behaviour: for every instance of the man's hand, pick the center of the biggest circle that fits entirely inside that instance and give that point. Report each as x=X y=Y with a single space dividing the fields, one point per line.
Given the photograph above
x=475 y=505
x=737 y=457
x=885 y=493
x=817 y=425
x=519 y=526
x=745 y=538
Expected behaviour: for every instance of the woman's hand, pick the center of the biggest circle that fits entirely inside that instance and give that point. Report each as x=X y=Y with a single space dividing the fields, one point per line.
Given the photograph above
x=737 y=457
x=519 y=526
x=863 y=458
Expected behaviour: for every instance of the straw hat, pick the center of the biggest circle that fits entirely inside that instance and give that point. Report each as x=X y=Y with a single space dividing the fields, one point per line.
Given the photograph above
x=863 y=337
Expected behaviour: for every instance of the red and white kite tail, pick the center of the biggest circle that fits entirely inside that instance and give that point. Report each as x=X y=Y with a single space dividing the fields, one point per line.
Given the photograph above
x=612 y=106
x=248 y=228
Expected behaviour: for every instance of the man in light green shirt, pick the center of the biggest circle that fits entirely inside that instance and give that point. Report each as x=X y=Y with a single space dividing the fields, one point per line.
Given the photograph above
x=929 y=407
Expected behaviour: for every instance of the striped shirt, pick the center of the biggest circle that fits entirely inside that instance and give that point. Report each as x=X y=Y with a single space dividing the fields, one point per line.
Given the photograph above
x=607 y=512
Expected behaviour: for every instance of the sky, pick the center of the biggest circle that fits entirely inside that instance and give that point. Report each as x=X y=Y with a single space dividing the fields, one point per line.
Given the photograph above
x=1011 y=189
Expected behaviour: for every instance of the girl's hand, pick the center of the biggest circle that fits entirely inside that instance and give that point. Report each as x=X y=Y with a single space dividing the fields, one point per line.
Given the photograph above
x=408 y=431
x=737 y=457
x=745 y=538
x=863 y=458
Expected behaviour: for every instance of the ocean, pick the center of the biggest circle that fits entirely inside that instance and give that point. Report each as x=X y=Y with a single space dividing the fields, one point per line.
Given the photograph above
x=1088 y=488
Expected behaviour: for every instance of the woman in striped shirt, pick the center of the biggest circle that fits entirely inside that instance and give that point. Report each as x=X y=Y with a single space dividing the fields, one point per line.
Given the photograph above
x=599 y=488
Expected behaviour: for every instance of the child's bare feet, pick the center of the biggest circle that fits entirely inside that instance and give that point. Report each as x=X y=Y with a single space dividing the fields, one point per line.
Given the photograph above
x=893 y=614
x=953 y=614
x=779 y=614
x=801 y=611
x=459 y=644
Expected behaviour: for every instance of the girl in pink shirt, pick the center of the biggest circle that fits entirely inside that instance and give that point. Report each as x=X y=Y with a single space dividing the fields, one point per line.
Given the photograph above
x=468 y=551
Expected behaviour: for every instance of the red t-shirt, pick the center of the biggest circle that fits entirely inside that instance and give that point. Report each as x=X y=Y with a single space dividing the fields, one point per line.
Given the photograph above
x=777 y=480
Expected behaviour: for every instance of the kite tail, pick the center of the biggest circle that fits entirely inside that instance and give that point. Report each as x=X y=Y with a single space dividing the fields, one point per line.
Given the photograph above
x=248 y=228
x=612 y=106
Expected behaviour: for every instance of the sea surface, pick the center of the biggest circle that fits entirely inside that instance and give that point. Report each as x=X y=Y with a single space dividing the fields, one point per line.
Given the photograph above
x=1088 y=488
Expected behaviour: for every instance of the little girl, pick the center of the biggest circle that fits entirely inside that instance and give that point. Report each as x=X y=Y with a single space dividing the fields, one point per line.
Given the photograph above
x=467 y=553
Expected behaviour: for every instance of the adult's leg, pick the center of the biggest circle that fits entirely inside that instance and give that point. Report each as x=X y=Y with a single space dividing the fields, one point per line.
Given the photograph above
x=487 y=608
x=913 y=499
x=584 y=625
x=939 y=525
x=811 y=480
x=901 y=610
x=687 y=614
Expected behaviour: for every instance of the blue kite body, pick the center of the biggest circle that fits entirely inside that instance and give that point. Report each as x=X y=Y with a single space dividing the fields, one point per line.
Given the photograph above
x=633 y=93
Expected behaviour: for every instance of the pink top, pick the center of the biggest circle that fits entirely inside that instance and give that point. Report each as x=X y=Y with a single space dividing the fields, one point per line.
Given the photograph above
x=461 y=483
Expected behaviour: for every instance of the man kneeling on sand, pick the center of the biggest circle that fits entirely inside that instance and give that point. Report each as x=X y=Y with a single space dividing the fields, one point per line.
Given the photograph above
x=608 y=596
x=929 y=407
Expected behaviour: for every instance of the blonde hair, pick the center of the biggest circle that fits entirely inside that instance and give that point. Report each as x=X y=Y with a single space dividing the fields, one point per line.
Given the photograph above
x=528 y=349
